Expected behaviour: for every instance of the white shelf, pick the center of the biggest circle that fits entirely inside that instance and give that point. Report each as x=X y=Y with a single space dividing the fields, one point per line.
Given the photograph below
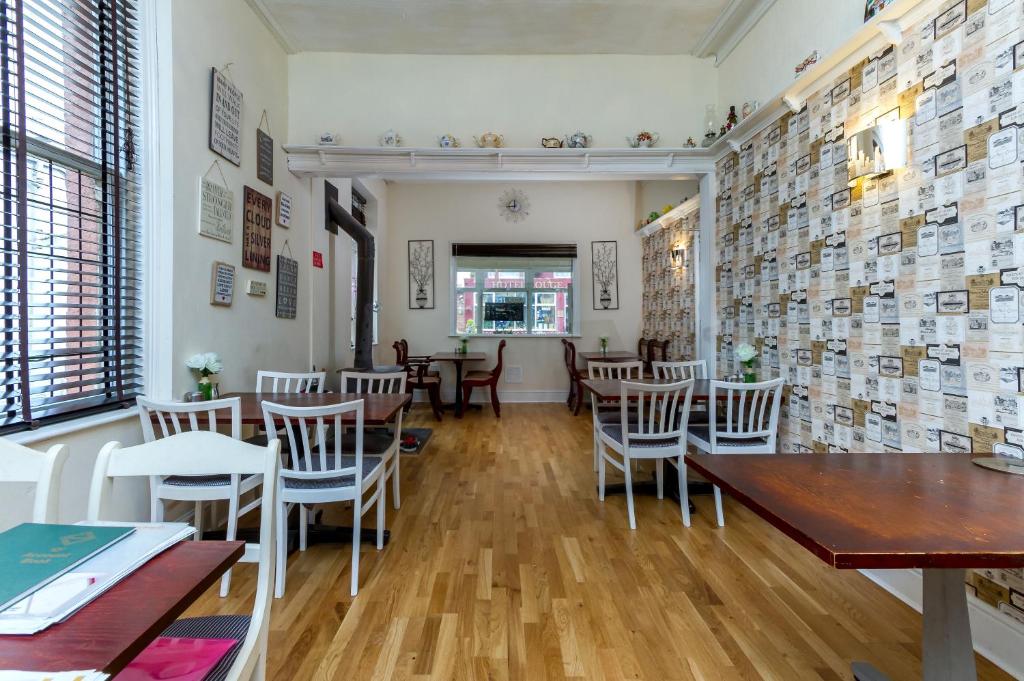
x=682 y=210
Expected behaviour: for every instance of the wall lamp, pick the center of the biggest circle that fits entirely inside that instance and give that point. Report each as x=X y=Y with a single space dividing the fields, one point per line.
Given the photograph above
x=876 y=151
x=678 y=256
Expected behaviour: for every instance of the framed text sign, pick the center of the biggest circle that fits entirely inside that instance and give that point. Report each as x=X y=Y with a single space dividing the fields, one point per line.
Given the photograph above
x=225 y=117
x=264 y=157
x=222 y=284
x=216 y=211
x=256 y=230
x=287 y=287
x=284 y=210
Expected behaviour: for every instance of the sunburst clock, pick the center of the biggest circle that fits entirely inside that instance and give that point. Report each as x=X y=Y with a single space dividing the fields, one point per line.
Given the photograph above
x=514 y=206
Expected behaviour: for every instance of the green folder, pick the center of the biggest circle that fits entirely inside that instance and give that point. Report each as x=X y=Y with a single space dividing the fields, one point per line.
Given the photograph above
x=33 y=554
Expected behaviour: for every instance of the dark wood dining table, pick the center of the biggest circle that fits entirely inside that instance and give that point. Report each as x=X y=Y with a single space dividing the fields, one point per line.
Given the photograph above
x=112 y=630
x=378 y=408
x=610 y=356
x=937 y=512
x=457 y=358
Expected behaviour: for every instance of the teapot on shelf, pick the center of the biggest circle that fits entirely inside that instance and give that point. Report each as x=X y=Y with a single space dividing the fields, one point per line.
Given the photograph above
x=490 y=139
x=643 y=139
x=551 y=143
x=578 y=140
x=448 y=142
x=390 y=139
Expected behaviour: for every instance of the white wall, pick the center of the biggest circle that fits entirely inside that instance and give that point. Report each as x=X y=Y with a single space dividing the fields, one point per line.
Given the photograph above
x=762 y=63
x=524 y=98
x=247 y=335
x=578 y=212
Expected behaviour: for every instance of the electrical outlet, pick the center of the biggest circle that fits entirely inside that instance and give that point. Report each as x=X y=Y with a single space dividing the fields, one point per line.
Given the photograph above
x=514 y=375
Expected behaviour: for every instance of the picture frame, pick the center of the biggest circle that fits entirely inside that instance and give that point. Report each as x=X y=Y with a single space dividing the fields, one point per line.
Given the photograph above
x=605 y=274
x=283 y=212
x=287 y=287
x=216 y=211
x=222 y=284
x=421 y=274
x=225 y=117
x=256 y=219
x=264 y=157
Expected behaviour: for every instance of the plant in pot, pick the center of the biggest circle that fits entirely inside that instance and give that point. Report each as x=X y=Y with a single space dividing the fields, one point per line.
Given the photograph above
x=746 y=354
x=205 y=364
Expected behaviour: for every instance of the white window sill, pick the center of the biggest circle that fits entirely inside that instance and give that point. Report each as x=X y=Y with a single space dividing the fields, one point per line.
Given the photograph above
x=71 y=427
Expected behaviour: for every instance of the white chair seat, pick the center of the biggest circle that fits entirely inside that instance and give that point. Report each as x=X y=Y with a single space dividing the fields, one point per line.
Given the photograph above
x=201 y=480
x=700 y=436
x=370 y=466
x=615 y=433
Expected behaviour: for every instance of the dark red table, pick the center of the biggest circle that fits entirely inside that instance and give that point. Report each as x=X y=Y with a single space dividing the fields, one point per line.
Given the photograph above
x=378 y=408
x=610 y=356
x=111 y=631
x=457 y=358
x=888 y=511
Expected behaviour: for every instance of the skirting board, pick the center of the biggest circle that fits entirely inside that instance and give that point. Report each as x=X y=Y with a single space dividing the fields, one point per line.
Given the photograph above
x=483 y=396
x=996 y=637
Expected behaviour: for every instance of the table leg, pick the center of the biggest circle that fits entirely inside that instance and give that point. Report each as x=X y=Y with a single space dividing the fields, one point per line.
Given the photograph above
x=947 y=652
x=458 y=388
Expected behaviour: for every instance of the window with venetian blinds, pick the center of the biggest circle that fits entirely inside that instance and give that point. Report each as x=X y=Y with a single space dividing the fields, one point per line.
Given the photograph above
x=70 y=184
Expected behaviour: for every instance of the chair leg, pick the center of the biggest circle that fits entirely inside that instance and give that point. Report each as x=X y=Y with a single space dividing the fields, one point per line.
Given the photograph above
x=357 y=513
x=303 y=526
x=579 y=400
x=659 y=472
x=597 y=448
x=382 y=493
x=718 y=507
x=434 y=392
x=495 y=404
x=467 y=390
x=229 y=534
x=684 y=492
x=198 y=521
x=601 y=472
x=397 y=501
x=629 y=493
x=156 y=507
x=282 y=548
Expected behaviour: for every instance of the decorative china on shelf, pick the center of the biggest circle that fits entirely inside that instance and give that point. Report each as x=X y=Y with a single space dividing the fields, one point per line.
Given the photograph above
x=551 y=143
x=690 y=144
x=330 y=138
x=448 y=142
x=490 y=140
x=390 y=139
x=643 y=139
x=578 y=140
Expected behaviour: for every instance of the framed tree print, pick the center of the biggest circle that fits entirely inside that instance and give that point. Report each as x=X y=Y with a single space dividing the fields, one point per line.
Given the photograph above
x=605 y=270
x=421 y=274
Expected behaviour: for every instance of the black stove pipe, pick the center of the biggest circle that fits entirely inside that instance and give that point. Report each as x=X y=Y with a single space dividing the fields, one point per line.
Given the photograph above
x=364 y=281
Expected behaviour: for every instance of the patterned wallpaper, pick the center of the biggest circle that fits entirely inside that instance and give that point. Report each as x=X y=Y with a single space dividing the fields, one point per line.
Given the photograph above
x=893 y=308
x=669 y=303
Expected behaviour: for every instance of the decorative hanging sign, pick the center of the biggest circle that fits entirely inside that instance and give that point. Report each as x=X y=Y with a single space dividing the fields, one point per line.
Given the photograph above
x=256 y=230
x=225 y=117
x=255 y=287
x=222 y=284
x=264 y=152
x=216 y=208
x=287 y=287
x=284 y=210
x=318 y=260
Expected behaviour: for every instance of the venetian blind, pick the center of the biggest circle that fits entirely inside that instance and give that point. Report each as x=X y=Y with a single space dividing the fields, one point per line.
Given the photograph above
x=71 y=208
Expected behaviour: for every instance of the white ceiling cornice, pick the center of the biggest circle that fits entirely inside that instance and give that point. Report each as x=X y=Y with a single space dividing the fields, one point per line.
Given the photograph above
x=735 y=22
x=259 y=7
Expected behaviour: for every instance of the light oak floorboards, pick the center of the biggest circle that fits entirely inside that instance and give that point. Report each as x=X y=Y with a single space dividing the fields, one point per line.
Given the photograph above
x=504 y=566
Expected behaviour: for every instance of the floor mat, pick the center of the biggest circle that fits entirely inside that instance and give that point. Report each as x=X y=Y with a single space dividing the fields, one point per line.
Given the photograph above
x=422 y=435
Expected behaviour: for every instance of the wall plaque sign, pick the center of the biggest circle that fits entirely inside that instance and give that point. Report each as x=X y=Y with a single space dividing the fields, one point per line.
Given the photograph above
x=256 y=230
x=225 y=117
x=216 y=211
x=287 y=287
x=222 y=284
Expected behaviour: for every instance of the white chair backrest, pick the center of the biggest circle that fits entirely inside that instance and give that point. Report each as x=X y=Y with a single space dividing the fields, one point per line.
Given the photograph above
x=177 y=417
x=662 y=411
x=616 y=370
x=43 y=469
x=751 y=410
x=367 y=382
x=311 y=460
x=285 y=382
x=680 y=370
x=205 y=453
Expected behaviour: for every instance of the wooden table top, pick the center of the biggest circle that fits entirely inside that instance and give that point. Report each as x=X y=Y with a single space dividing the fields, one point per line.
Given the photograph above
x=378 y=408
x=610 y=356
x=611 y=388
x=874 y=511
x=111 y=631
x=458 y=356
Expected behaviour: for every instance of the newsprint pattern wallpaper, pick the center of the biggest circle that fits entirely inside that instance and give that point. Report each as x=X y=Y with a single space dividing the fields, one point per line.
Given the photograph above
x=893 y=308
x=668 y=298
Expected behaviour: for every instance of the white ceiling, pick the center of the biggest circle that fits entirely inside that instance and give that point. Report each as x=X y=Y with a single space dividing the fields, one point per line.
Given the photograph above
x=508 y=26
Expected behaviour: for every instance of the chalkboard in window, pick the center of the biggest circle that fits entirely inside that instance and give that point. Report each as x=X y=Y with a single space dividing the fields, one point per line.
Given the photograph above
x=504 y=312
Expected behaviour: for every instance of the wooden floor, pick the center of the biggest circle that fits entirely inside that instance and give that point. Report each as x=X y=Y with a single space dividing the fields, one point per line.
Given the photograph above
x=504 y=565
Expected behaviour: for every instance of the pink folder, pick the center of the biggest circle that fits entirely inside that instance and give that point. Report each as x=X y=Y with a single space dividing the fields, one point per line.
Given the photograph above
x=177 y=659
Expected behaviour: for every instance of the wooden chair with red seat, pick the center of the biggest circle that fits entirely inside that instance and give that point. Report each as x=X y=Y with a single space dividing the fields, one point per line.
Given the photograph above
x=575 y=400
x=479 y=379
x=420 y=377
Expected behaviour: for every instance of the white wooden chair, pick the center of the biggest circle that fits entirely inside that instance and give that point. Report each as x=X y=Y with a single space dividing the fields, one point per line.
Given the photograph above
x=201 y=453
x=42 y=469
x=751 y=424
x=607 y=411
x=680 y=370
x=177 y=417
x=320 y=474
x=656 y=431
x=377 y=442
x=290 y=382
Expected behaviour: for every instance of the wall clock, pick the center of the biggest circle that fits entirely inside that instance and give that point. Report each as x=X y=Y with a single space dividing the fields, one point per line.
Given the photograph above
x=514 y=206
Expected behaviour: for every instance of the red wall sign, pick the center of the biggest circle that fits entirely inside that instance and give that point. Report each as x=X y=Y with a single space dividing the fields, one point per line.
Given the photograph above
x=318 y=259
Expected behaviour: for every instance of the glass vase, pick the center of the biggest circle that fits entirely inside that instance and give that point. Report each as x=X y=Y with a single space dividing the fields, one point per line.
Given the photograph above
x=749 y=375
x=206 y=388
